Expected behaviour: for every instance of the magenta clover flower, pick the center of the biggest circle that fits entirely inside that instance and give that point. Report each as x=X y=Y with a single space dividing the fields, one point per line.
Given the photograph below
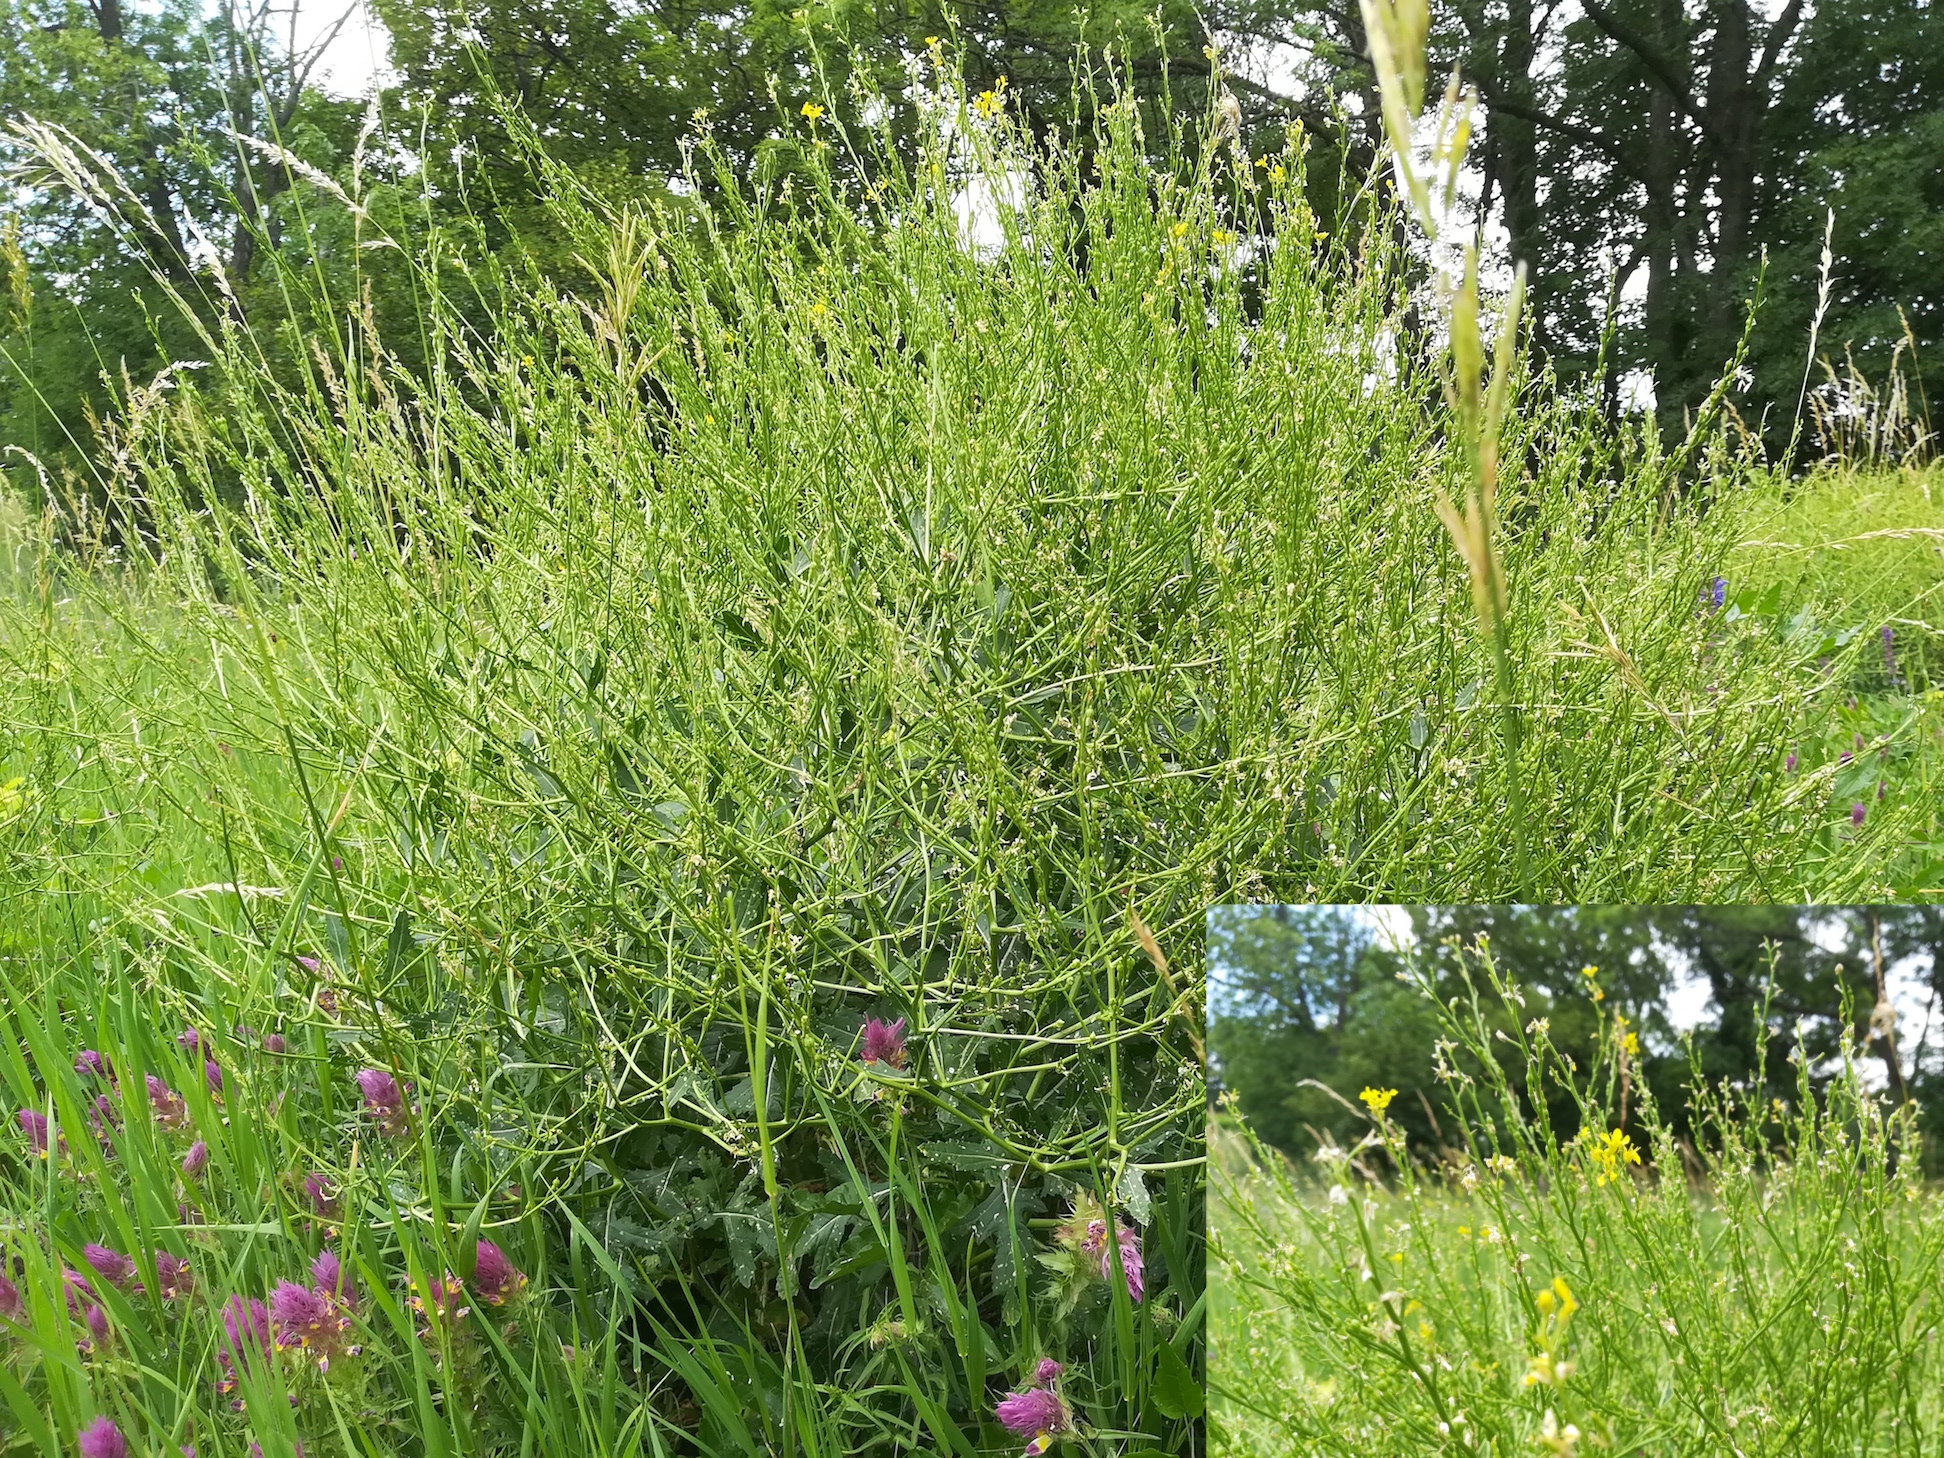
x=97 y=1323
x=171 y=1110
x=274 y=1043
x=322 y=1195
x=385 y=1102
x=90 y=1064
x=1038 y=1414
x=102 y=1439
x=33 y=1123
x=328 y=1272
x=189 y=1040
x=494 y=1278
x=196 y=1160
x=883 y=1042
x=11 y=1306
x=1857 y=814
x=112 y=1266
x=214 y=1075
x=172 y=1277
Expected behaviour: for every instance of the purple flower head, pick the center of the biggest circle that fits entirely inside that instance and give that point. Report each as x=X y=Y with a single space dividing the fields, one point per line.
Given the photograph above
x=1035 y=1414
x=442 y=1304
x=214 y=1075
x=884 y=1042
x=101 y=1439
x=196 y=1160
x=310 y=964
x=1128 y=1246
x=1845 y=757
x=322 y=1195
x=298 y=1314
x=101 y=1117
x=1857 y=813
x=97 y=1323
x=1790 y=763
x=328 y=1272
x=246 y=1331
x=189 y=1040
x=172 y=1277
x=112 y=1266
x=171 y=1110
x=77 y=1288
x=1718 y=591
x=33 y=1124
x=12 y=1308
x=385 y=1101
x=90 y=1064
x=1047 y=1370
x=274 y=1043
x=494 y=1277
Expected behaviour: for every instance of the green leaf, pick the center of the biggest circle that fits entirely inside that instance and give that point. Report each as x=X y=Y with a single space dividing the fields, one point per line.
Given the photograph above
x=1175 y=1391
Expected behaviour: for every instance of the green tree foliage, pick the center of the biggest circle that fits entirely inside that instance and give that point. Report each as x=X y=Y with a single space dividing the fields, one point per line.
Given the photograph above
x=1306 y=1008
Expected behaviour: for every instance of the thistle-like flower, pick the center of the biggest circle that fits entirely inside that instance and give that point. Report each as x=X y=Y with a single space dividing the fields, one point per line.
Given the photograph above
x=328 y=1272
x=96 y=1320
x=443 y=1306
x=1038 y=1414
x=214 y=1075
x=12 y=1308
x=274 y=1043
x=1102 y=1244
x=309 y=1319
x=101 y=1439
x=189 y=1040
x=196 y=1160
x=385 y=1102
x=495 y=1280
x=883 y=1042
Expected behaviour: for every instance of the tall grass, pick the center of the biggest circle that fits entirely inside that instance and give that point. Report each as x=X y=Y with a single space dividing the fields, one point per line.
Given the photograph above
x=1770 y=1289
x=821 y=619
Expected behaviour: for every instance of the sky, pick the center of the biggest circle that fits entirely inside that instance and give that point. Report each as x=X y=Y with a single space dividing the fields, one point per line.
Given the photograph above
x=356 y=57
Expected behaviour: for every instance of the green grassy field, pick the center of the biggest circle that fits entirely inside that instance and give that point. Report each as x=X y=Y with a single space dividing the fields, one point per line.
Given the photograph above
x=822 y=621
x=1769 y=1289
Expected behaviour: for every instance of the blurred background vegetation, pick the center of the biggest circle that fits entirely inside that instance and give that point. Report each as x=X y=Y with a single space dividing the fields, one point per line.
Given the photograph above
x=1306 y=1008
x=1654 y=162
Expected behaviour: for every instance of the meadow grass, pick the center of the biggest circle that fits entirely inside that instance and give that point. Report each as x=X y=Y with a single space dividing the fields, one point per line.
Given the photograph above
x=822 y=619
x=1769 y=1288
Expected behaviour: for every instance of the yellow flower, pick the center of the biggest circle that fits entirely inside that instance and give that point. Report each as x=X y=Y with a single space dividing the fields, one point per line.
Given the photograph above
x=1610 y=1152
x=989 y=104
x=1378 y=1099
x=1567 y=1305
x=1220 y=237
x=1181 y=230
x=1589 y=970
x=1276 y=174
x=813 y=111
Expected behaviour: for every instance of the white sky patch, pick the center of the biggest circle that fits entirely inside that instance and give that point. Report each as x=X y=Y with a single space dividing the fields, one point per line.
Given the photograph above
x=357 y=61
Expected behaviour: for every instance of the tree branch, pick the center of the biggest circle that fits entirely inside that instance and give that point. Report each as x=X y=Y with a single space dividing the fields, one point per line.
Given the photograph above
x=1778 y=37
x=1657 y=64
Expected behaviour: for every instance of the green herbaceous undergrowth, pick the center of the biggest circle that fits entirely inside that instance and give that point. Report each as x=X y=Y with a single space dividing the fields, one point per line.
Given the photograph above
x=824 y=620
x=1769 y=1291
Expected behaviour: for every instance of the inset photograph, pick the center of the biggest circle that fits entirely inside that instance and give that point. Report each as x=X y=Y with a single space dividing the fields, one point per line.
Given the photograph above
x=1575 y=1180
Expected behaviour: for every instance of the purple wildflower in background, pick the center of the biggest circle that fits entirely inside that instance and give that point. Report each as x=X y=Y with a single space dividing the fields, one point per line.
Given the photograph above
x=189 y=1040
x=494 y=1277
x=214 y=1075
x=33 y=1123
x=385 y=1101
x=112 y=1266
x=11 y=1306
x=1718 y=591
x=322 y=1195
x=274 y=1043
x=884 y=1042
x=442 y=1304
x=90 y=1064
x=96 y=1321
x=246 y=1335
x=1790 y=763
x=172 y=1277
x=77 y=1288
x=196 y=1160
x=328 y=1272
x=101 y=1117
x=171 y=1110
x=298 y=1314
x=1047 y=1370
x=1857 y=813
x=102 y=1439
x=1890 y=656
x=310 y=964
x=1129 y=1247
